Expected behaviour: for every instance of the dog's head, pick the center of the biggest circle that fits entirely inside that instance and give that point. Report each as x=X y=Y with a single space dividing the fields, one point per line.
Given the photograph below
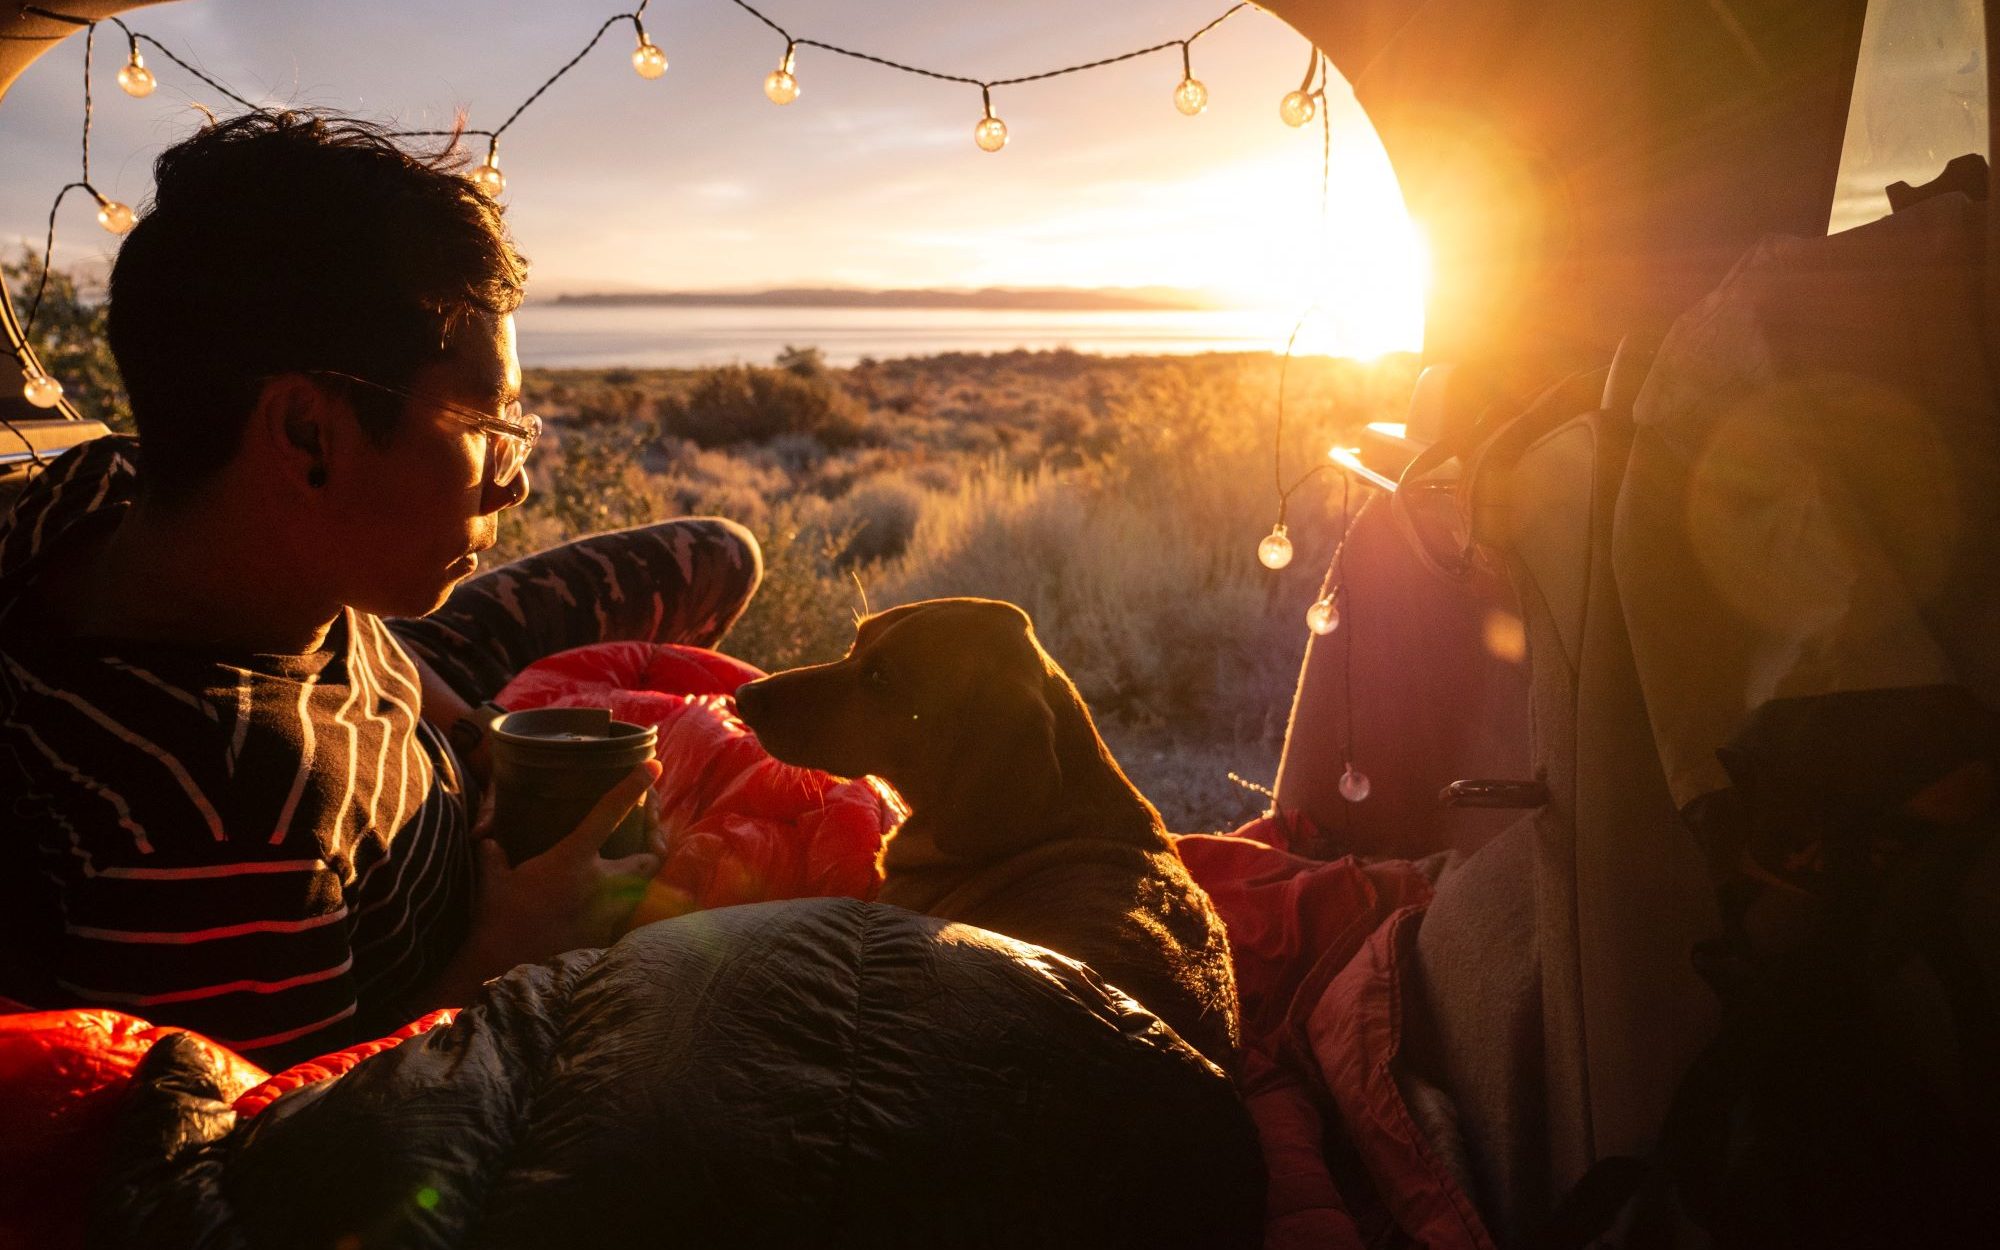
x=953 y=702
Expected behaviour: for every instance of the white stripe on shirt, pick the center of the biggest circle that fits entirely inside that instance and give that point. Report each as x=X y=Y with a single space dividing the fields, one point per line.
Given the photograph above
x=208 y=991
x=117 y=801
x=199 y=705
x=189 y=937
x=172 y=765
x=308 y=740
x=212 y=870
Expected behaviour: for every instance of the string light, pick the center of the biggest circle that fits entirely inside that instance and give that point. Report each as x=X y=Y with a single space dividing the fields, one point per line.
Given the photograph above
x=1323 y=617
x=780 y=87
x=113 y=216
x=991 y=133
x=647 y=59
x=1190 y=97
x=1354 y=785
x=134 y=78
x=487 y=177
x=1298 y=107
x=1275 y=552
x=41 y=390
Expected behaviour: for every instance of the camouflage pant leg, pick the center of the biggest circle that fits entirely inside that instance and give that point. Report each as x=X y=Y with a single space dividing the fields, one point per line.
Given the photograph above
x=684 y=581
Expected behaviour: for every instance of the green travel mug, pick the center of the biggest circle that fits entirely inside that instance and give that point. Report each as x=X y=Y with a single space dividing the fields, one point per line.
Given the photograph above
x=552 y=765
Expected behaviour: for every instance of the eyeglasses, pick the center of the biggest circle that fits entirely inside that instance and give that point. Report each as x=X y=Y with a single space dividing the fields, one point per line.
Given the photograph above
x=514 y=432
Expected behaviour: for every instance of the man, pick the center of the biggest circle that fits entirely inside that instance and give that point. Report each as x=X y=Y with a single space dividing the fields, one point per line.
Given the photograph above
x=231 y=800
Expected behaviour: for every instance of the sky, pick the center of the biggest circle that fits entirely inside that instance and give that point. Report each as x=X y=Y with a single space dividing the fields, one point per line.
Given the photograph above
x=871 y=178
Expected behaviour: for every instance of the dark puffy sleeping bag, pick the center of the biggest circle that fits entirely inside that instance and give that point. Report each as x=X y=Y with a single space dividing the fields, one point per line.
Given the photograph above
x=822 y=1072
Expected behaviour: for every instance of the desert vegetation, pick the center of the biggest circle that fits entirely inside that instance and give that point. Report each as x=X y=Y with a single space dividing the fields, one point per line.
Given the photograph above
x=1120 y=501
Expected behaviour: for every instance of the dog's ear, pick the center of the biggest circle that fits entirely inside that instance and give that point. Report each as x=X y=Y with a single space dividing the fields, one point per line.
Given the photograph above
x=1012 y=776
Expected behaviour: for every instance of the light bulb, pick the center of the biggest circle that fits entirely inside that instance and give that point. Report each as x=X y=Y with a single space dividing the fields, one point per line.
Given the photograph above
x=990 y=134
x=780 y=87
x=42 y=391
x=1276 y=550
x=1296 y=108
x=648 y=60
x=115 y=217
x=1353 y=784
x=1190 y=97
x=136 y=80
x=488 y=177
x=1323 y=617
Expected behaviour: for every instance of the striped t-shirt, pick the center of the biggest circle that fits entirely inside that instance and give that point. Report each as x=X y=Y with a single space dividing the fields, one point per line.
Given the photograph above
x=269 y=849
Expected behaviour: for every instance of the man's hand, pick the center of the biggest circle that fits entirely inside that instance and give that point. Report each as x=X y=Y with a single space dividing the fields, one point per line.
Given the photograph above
x=561 y=900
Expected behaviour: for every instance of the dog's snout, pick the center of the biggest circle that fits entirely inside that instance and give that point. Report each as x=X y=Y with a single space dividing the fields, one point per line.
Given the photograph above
x=752 y=701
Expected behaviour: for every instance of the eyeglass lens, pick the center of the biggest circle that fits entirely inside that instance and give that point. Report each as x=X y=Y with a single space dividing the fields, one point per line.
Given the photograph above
x=510 y=451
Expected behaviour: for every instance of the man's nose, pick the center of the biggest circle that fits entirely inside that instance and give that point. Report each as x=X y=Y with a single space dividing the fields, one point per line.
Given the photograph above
x=505 y=495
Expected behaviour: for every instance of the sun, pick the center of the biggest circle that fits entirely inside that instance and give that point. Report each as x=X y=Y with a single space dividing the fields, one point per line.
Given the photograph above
x=1351 y=276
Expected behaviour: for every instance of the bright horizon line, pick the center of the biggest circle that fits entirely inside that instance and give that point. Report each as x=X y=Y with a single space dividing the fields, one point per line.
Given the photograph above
x=1210 y=297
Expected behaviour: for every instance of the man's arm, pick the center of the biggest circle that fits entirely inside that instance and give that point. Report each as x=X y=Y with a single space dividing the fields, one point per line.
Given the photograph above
x=463 y=725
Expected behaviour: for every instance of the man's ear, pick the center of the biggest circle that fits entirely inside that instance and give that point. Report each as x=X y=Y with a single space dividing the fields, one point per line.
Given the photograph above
x=295 y=432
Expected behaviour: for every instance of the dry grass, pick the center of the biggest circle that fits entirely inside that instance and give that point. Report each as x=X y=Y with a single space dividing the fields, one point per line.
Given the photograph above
x=1119 y=500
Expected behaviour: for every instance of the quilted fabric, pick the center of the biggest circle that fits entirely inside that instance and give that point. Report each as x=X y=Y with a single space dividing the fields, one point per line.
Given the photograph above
x=817 y=1072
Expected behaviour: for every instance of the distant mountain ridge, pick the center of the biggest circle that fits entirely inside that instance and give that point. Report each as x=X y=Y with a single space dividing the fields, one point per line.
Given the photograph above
x=1038 y=299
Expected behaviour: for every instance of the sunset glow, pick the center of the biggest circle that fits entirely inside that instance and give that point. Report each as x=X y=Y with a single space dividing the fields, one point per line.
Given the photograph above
x=870 y=178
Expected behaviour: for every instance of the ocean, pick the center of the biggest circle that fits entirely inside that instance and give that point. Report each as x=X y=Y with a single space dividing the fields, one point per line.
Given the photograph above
x=665 y=336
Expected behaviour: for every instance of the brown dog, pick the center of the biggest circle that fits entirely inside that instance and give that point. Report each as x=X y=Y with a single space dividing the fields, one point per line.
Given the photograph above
x=1020 y=820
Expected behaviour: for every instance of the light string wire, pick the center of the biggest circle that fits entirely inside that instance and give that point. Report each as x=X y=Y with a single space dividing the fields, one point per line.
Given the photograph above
x=984 y=83
x=494 y=134
x=1338 y=571
x=169 y=53
x=89 y=47
x=1317 y=67
x=17 y=332
x=48 y=248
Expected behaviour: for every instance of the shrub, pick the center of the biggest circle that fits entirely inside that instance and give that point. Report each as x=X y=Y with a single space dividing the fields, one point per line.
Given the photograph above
x=805 y=611
x=881 y=514
x=796 y=454
x=589 y=480
x=747 y=403
x=806 y=362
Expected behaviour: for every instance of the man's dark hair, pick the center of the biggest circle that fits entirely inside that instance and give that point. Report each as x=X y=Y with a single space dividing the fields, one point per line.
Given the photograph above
x=280 y=242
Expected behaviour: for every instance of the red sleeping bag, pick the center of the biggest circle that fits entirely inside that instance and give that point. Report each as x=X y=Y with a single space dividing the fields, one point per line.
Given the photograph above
x=63 y=1075
x=741 y=826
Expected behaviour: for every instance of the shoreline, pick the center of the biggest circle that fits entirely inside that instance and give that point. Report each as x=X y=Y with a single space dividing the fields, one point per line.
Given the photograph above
x=591 y=336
